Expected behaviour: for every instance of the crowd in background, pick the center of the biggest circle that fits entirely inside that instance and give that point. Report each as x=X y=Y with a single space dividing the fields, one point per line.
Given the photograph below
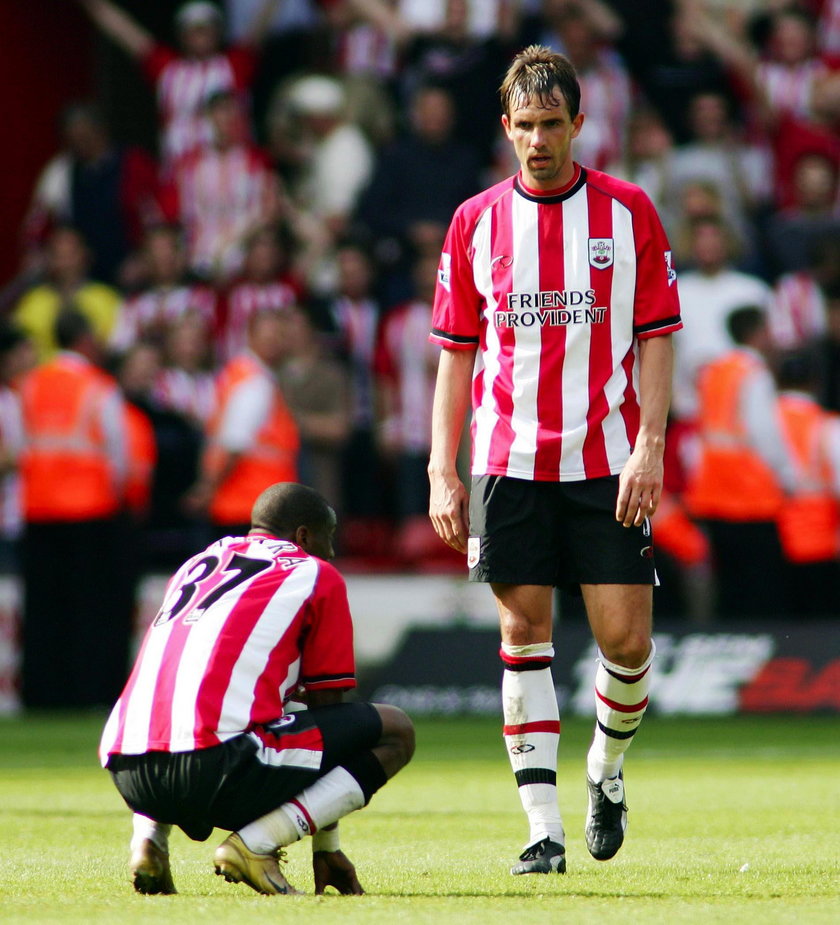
x=258 y=280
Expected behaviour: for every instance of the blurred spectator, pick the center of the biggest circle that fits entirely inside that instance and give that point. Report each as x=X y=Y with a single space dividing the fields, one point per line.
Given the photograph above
x=406 y=369
x=716 y=154
x=809 y=520
x=223 y=192
x=73 y=473
x=797 y=312
x=792 y=233
x=580 y=31
x=17 y=357
x=317 y=389
x=66 y=284
x=743 y=472
x=184 y=79
x=828 y=350
x=647 y=160
x=136 y=373
x=252 y=440
x=186 y=382
x=708 y=294
x=166 y=292
x=670 y=63
x=467 y=65
x=264 y=285
x=350 y=317
x=325 y=157
x=413 y=17
x=109 y=192
x=417 y=184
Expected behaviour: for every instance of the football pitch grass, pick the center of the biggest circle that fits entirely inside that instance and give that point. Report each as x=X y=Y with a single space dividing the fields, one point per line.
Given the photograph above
x=731 y=820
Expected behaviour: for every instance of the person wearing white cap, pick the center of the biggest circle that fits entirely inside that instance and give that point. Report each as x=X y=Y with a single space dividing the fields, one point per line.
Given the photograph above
x=184 y=79
x=336 y=157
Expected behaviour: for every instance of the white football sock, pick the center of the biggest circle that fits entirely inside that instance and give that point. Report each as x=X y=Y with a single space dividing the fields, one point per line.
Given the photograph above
x=145 y=828
x=532 y=735
x=621 y=697
x=330 y=798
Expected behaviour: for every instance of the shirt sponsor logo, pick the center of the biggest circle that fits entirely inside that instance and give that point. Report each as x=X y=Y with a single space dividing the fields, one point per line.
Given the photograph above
x=600 y=253
x=554 y=317
x=669 y=267
x=445 y=270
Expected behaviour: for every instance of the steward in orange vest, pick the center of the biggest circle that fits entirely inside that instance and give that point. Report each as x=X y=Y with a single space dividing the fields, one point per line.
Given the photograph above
x=252 y=439
x=809 y=521
x=738 y=485
x=77 y=614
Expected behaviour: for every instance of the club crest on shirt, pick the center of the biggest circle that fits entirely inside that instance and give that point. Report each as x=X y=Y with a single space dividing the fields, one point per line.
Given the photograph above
x=473 y=551
x=600 y=253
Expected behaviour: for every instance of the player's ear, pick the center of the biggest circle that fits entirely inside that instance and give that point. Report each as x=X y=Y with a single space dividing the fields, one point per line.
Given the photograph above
x=302 y=538
x=506 y=125
x=577 y=124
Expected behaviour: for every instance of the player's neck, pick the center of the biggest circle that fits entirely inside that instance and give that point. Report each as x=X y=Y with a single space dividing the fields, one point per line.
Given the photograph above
x=555 y=191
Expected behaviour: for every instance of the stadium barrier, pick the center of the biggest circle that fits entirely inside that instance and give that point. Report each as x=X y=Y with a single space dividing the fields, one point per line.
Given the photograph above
x=429 y=643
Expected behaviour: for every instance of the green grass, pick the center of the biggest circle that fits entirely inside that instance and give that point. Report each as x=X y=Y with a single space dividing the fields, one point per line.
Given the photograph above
x=733 y=820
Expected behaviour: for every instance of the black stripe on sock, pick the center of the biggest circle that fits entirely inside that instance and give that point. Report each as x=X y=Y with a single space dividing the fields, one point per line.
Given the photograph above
x=365 y=769
x=527 y=776
x=616 y=733
x=624 y=678
x=527 y=666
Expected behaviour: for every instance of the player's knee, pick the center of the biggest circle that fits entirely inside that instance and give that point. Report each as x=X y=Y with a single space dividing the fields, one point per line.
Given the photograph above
x=397 y=731
x=629 y=649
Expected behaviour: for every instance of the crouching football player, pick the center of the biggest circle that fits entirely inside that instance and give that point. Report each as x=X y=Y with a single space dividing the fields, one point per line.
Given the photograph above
x=202 y=736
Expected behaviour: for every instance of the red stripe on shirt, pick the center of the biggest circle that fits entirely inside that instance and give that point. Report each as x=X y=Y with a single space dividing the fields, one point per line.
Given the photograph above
x=553 y=347
x=501 y=245
x=595 y=459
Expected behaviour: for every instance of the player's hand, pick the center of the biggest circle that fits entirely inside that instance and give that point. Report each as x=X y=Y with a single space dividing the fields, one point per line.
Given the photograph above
x=449 y=509
x=334 y=868
x=639 y=486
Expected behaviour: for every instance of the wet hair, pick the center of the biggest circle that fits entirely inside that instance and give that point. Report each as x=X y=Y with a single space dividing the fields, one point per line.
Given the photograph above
x=743 y=322
x=283 y=507
x=538 y=73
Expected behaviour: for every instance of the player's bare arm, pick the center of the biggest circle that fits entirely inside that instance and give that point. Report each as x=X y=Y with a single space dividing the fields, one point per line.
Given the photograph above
x=448 y=500
x=640 y=483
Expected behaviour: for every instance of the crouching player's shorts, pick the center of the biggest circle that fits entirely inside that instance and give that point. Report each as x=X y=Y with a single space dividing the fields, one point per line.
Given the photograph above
x=229 y=785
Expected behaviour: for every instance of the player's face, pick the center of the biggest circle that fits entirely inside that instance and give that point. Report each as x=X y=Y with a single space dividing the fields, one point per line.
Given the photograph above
x=542 y=133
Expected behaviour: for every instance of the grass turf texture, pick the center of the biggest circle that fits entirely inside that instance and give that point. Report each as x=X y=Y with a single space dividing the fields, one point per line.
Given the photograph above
x=732 y=820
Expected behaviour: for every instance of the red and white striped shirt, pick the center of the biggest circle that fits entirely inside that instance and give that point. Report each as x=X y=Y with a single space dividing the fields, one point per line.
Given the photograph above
x=555 y=291
x=183 y=86
x=244 y=300
x=222 y=195
x=797 y=312
x=243 y=625
x=153 y=311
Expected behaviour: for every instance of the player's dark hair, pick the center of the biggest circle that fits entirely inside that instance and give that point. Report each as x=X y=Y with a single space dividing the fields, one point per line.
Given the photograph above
x=71 y=326
x=743 y=322
x=538 y=73
x=285 y=506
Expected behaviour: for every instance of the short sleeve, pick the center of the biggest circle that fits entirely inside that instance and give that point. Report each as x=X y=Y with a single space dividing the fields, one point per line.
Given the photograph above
x=457 y=310
x=327 y=660
x=657 y=306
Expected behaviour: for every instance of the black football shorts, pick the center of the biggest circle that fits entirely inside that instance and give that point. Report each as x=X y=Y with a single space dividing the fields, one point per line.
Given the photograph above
x=562 y=534
x=228 y=785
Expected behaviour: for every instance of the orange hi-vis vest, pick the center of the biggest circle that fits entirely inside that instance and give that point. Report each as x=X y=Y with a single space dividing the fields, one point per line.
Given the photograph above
x=809 y=522
x=731 y=481
x=272 y=458
x=66 y=473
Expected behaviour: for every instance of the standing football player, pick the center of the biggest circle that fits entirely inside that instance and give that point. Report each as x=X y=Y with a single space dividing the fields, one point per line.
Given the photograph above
x=202 y=736
x=555 y=304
